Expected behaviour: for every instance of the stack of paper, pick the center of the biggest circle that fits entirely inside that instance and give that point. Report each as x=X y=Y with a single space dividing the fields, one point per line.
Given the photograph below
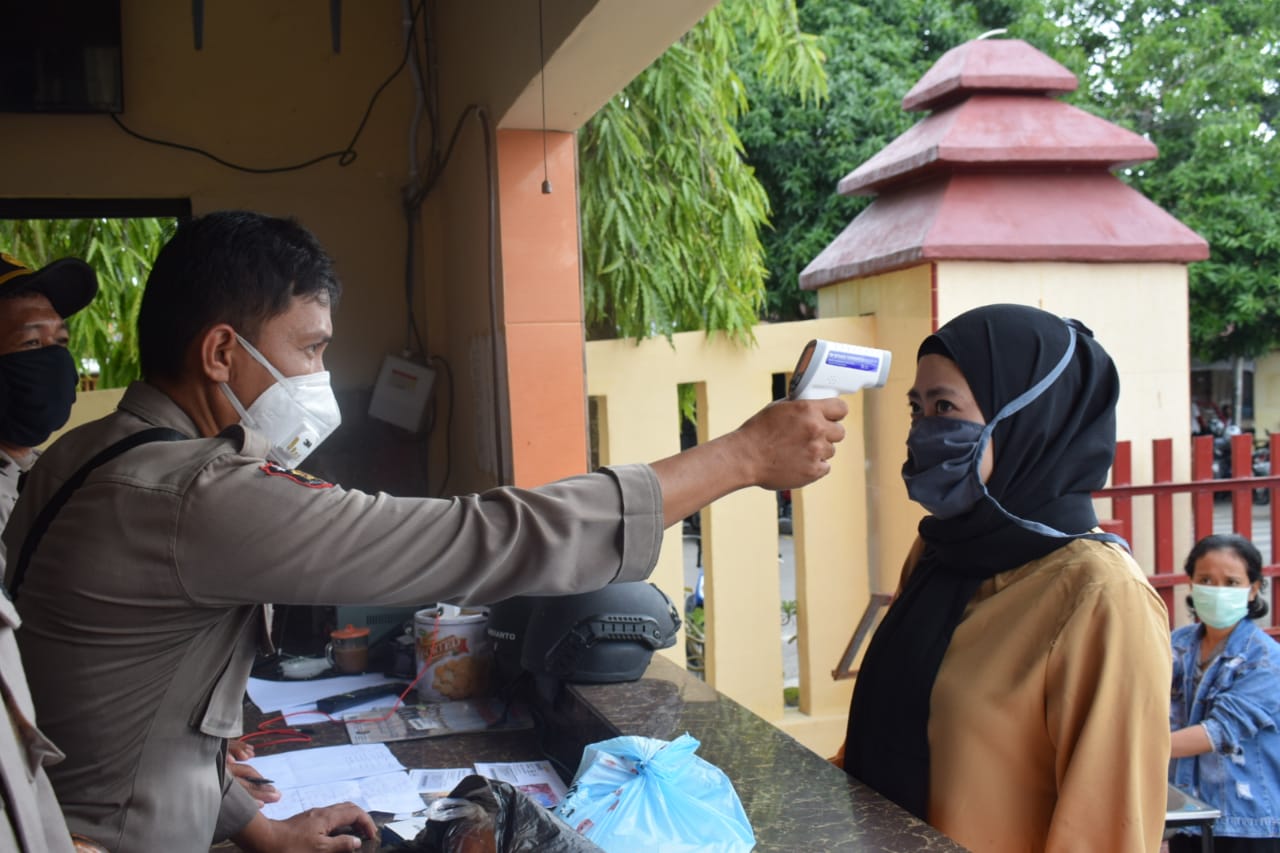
x=371 y=777
x=407 y=722
x=367 y=775
x=535 y=779
x=297 y=699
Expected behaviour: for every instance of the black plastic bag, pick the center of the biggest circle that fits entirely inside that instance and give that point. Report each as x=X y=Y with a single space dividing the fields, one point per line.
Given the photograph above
x=488 y=816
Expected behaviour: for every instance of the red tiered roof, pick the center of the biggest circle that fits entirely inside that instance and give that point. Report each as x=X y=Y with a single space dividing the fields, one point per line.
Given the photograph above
x=1001 y=172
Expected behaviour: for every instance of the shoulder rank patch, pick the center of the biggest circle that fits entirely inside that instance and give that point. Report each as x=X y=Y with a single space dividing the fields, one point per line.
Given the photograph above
x=302 y=478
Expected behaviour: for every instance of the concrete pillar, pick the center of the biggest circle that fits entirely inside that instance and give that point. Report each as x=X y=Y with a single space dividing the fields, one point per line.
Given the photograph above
x=541 y=299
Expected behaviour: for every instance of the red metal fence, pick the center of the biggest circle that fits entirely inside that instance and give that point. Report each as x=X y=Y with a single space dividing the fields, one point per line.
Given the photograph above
x=1240 y=485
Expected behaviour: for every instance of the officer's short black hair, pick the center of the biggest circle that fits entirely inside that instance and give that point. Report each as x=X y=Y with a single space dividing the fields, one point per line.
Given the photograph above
x=1242 y=548
x=235 y=267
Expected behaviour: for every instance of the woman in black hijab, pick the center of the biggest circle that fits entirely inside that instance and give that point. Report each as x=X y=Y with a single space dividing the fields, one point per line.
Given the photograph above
x=1012 y=695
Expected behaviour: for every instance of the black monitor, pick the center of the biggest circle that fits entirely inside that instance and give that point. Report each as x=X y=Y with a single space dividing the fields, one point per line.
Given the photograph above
x=60 y=56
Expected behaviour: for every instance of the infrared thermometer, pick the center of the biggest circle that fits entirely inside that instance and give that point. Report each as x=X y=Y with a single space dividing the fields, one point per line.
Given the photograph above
x=829 y=368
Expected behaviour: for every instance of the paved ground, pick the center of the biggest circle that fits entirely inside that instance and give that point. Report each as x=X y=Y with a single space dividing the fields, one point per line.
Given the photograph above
x=787 y=591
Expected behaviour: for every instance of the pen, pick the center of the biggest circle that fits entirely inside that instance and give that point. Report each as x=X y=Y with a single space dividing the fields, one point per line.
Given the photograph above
x=257 y=780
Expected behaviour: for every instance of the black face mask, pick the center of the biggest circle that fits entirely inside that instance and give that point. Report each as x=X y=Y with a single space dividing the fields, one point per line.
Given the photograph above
x=37 y=388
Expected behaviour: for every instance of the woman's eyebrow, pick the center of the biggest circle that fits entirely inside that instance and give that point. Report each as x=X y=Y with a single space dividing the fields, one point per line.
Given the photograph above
x=934 y=392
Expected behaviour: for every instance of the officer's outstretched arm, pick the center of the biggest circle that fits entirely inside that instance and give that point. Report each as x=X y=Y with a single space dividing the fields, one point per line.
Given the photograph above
x=785 y=445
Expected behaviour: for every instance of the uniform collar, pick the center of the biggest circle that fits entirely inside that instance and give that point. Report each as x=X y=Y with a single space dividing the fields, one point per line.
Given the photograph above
x=10 y=467
x=149 y=403
x=152 y=405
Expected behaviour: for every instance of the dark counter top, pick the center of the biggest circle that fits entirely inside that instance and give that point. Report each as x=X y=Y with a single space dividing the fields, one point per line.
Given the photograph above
x=795 y=799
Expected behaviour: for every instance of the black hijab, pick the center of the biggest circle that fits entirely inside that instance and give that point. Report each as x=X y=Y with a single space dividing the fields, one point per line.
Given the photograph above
x=1049 y=457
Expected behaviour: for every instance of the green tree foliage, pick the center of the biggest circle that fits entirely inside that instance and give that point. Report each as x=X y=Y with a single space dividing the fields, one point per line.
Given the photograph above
x=1202 y=81
x=104 y=335
x=876 y=52
x=670 y=212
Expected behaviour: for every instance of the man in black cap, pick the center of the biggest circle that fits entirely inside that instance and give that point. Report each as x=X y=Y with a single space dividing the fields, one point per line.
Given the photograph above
x=38 y=380
x=38 y=376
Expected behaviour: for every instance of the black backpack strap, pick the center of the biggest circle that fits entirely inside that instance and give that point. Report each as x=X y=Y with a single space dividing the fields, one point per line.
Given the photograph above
x=75 y=481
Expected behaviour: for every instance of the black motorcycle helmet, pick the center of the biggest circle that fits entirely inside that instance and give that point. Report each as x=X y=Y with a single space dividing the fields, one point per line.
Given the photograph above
x=598 y=637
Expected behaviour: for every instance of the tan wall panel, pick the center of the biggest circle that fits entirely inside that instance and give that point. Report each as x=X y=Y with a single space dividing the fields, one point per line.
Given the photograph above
x=639 y=387
x=1266 y=394
x=901 y=303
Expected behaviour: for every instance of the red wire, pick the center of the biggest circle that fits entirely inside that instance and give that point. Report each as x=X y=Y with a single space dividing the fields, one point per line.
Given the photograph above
x=292 y=735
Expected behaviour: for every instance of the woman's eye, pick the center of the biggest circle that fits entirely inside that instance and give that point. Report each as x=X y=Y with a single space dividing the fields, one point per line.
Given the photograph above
x=944 y=406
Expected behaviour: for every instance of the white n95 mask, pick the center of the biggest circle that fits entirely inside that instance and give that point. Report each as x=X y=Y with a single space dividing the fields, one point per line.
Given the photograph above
x=295 y=414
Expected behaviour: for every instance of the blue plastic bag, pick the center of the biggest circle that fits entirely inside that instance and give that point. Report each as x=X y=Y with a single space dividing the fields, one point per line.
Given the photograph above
x=644 y=794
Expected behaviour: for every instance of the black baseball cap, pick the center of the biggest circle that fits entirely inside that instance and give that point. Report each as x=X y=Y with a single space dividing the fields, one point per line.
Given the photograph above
x=69 y=284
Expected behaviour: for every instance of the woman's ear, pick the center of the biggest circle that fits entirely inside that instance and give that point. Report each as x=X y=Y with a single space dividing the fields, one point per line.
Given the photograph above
x=216 y=345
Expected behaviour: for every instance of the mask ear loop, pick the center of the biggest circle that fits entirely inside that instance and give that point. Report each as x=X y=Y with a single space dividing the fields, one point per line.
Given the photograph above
x=246 y=418
x=261 y=359
x=1016 y=405
x=283 y=381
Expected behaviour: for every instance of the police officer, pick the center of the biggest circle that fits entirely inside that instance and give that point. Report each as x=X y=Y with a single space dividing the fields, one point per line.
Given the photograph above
x=38 y=376
x=38 y=380
x=142 y=600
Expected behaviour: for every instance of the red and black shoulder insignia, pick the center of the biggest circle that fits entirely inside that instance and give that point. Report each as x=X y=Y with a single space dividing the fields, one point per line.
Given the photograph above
x=302 y=478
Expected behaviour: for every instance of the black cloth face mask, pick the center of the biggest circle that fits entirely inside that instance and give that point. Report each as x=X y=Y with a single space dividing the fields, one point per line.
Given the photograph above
x=37 y=388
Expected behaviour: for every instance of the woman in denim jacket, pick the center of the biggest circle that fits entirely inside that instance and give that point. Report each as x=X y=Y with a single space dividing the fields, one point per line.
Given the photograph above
x=1225 y=710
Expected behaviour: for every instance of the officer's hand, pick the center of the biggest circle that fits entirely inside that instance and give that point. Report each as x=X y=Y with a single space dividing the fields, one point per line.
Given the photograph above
x=785 y=445
x=263 y=792
x=789 y=443
x=240 y=750
x=310 y=831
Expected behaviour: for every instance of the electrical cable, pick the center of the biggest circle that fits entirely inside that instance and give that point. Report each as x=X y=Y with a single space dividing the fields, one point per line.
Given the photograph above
x=411 y=213
x=542 y=78
x=448 y=424
x=345 y=157
x=411 y=329
x=494 y=338
x=435 y=171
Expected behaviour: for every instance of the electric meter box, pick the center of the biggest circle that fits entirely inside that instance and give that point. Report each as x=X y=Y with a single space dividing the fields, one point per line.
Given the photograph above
x=401 y=394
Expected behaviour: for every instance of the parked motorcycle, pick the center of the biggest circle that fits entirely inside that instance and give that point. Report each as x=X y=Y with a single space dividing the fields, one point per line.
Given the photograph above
x=1260 y=464
x=1262 y=468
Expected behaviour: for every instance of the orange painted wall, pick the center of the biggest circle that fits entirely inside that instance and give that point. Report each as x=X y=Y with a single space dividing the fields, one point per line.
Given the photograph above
x=542 y=306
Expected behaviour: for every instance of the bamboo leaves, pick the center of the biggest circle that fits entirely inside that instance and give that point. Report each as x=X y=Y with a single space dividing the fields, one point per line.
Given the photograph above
x=670 y=212
x=104 y=336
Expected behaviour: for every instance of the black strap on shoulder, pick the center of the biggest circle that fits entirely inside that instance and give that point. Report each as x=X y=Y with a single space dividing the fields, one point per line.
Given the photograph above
x=75 y=481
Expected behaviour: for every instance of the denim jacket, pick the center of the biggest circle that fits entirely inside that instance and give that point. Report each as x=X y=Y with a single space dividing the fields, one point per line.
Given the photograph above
x=1238 y=704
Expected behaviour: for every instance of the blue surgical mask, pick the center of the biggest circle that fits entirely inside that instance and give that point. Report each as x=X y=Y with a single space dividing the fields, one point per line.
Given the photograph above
x=1220 y=606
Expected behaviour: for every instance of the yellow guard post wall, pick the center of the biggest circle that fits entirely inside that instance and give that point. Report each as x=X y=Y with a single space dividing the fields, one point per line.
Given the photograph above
x=636 y=387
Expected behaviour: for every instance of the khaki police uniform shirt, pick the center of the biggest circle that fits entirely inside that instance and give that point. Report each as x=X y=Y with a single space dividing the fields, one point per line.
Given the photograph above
x=142 y=606
x=33 y=823
x=1049 y=718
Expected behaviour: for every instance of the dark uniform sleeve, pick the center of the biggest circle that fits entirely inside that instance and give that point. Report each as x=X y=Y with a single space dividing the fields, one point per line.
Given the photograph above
x=248 y=531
